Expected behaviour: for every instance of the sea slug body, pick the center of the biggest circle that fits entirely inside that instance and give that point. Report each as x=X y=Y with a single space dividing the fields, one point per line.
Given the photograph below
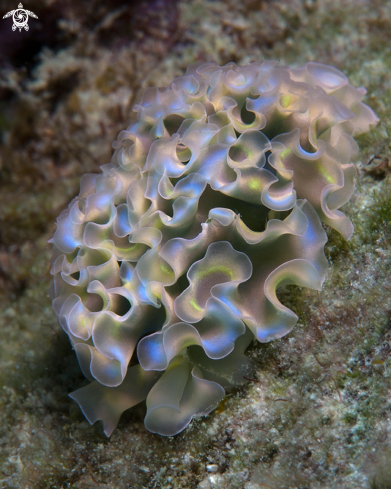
x=166 y=265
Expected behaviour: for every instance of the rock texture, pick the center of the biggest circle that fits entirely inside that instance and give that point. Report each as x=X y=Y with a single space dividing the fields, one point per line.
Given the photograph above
x=317 y=411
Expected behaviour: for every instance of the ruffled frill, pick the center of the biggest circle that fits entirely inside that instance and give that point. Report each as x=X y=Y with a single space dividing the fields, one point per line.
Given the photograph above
x=166 y=265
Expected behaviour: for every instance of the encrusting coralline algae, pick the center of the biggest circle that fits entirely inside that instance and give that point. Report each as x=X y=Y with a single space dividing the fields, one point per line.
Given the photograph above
x=167 y=264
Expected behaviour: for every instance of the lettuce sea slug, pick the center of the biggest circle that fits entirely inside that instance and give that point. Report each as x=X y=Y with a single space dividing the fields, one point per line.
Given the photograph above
x=166 y=265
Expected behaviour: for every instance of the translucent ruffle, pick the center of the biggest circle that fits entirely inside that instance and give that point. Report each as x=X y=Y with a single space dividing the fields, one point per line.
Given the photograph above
x=166 y=265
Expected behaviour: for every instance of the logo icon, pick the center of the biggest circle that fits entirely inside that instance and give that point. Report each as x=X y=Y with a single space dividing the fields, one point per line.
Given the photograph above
x=20 y=17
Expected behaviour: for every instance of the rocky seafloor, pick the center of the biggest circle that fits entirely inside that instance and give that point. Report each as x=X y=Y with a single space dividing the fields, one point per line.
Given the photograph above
x=317 y=414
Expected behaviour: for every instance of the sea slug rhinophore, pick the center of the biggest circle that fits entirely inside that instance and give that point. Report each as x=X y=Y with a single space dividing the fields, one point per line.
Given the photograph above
x=166 y=265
